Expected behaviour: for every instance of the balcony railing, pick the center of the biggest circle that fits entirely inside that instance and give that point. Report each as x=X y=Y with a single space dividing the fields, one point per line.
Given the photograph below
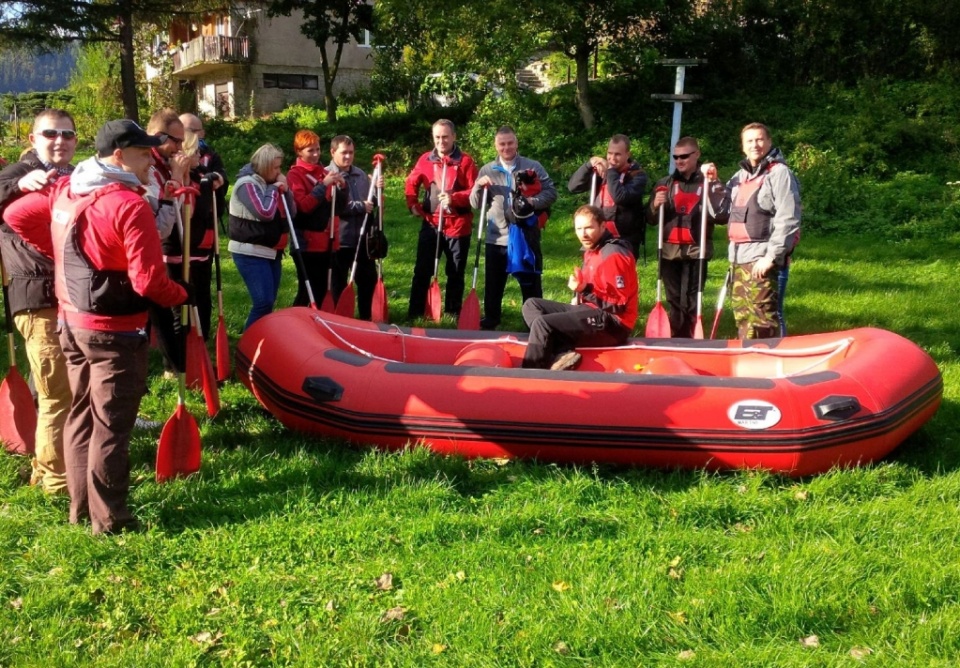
x=211 y=50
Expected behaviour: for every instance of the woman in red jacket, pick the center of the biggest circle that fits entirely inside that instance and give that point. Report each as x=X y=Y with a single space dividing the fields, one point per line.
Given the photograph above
x=315 y=191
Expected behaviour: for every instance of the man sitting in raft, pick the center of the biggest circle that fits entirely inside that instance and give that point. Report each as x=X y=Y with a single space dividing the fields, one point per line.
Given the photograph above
x=607 y=292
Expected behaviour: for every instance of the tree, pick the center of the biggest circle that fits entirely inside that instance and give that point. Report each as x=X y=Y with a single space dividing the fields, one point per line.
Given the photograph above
x=51 y=24
x=330 y=24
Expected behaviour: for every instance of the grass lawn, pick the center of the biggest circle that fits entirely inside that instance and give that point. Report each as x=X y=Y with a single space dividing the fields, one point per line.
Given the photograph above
x=286 y=550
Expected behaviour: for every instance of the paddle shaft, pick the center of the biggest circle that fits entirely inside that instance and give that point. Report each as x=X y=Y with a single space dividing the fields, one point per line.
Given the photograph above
x=481 y=226
x=216 y=252
x=443 y=189
x=703 y=248
x=363 y=226
x=332 y=238
x=660 y=247
x=721 y=298
x=297 y=257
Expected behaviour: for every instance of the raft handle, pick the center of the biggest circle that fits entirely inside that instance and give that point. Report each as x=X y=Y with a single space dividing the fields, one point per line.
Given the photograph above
x=836 y=408
x=323 y=389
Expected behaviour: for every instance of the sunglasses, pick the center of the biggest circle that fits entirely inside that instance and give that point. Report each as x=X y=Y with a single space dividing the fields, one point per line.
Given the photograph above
x=66 y=134
x=176 y=140
x=682 y=156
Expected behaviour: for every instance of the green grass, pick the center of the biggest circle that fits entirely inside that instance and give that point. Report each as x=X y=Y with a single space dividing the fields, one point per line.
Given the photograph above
x=271 y=554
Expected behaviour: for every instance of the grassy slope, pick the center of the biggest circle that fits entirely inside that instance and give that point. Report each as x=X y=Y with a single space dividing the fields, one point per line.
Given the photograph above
x=270 y=555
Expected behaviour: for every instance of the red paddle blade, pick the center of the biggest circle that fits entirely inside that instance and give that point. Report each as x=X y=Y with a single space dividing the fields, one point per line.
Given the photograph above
x=470 y=312
x=328 y=306
x=434 y=307
x=18 y=415
x=178 y=452
x=379 y=309
x=658 y=324
x=223 y=352
x=345 y=304
x=211 y=393
x=195 y=353
x=698 y=328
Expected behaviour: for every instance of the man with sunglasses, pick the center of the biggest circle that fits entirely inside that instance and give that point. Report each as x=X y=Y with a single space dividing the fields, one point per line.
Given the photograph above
x=31 y=291
x=681 y=197
x=621 y=184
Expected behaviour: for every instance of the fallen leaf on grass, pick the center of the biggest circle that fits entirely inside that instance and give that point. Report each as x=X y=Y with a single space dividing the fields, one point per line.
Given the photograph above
x=17 y=603
x=207 y=638
x=680 y=617
x=810 y=641
x=330 y=606
x=438 y=648
x=384 y=582
x=801 y=495
x=561 y=586
x=393 y=614
x=687 y=655
x=860 y=653
x=675 y=561
x=675 y=574
x=561 y=648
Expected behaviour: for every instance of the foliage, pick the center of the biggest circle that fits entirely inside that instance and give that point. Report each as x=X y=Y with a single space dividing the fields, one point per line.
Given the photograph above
x=95 y=87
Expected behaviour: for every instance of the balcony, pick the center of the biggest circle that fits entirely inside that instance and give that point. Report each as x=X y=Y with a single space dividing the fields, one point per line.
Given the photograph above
x=207 y=53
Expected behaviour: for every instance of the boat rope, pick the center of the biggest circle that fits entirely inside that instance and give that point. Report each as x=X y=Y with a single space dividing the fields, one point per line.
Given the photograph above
x=826 y=351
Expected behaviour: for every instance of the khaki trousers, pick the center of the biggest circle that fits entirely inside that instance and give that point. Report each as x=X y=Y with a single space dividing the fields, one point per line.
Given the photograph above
x=39 y=330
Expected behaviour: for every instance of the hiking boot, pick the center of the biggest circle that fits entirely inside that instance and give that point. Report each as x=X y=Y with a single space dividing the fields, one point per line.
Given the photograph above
x=566 y=361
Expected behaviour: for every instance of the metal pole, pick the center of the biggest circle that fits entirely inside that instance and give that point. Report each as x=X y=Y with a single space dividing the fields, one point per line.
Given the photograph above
x=677 y=113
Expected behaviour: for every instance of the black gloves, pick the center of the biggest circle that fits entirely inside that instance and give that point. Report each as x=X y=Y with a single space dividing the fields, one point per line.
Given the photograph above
x=191 y=293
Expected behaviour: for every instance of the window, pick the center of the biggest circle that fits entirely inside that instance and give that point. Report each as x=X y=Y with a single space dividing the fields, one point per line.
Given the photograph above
x=292 y=81
x=365 y=42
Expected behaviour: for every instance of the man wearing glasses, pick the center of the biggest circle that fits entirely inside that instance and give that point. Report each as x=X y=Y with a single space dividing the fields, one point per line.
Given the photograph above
x=170 y=170
x=31 y=293
x=681 y=197
x=620 y=184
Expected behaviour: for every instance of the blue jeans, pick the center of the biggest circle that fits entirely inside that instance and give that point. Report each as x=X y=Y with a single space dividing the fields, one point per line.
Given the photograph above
x=782 y=279
x=262 y=277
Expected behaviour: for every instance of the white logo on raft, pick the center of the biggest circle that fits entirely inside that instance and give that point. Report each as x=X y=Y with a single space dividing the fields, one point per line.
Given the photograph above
x=754 y=414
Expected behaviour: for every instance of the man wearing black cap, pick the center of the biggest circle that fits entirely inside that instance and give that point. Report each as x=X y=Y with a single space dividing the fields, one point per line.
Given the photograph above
x=108 y=267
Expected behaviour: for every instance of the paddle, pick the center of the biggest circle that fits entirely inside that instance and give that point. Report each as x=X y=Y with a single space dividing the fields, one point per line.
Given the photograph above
x=721 y=298
x=348 y=297
x=178 y=451
x=297 y=257
x=18 y=414
x=470 y=311
x=222 y=342
x=379 y=308
x=434 y=298
x=328 y=305
x=658 y=324
x=698 y=328
x=199 y=370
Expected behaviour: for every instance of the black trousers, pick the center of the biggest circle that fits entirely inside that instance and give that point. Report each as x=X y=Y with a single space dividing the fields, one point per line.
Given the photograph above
x=165 y=322
x=365 y=279
x=681 y=282
x=556 y=328
x=316 y=265
x=495 y=282
x=456 y=250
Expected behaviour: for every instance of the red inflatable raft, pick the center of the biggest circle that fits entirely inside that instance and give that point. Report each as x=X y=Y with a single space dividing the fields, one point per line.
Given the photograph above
x=797 y=405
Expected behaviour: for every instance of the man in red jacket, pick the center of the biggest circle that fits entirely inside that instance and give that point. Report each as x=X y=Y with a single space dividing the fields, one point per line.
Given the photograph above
x=607 y=289
x=108 y=266
x=446 y=174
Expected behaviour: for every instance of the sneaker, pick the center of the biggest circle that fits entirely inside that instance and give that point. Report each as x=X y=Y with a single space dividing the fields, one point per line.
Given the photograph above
x=143 y=424
x=566 y=361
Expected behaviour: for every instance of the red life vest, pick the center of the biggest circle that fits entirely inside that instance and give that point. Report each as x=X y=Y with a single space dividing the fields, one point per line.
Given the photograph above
x=748 y=221
x=685 y=205
x=77 y=282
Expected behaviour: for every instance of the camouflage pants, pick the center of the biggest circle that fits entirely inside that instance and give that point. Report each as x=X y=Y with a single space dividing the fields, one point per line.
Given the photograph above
x=754 y=303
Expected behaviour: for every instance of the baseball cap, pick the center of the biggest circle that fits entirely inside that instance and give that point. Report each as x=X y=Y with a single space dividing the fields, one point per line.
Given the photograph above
x=123 y=133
